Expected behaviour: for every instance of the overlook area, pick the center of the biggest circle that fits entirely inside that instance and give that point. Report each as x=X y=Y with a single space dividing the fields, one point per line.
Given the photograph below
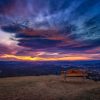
x=48 y=88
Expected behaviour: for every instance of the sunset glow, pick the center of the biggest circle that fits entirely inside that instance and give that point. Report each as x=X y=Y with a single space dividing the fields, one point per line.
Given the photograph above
x=29 y=58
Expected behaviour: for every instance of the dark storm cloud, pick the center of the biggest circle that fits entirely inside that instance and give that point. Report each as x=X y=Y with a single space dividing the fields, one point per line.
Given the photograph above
x=38 y=43
x=6 y=6
x=25 y=36
x=87 y=45
x=11 y=29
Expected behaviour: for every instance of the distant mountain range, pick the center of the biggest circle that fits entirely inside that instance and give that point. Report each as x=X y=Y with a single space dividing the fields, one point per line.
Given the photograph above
x=26 y=68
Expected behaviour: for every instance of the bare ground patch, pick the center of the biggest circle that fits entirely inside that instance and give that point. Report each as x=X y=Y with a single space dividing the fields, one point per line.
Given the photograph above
x=48 y=88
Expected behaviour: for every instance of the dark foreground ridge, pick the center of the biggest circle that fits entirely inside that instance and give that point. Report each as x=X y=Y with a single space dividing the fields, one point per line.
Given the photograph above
x=48 y=88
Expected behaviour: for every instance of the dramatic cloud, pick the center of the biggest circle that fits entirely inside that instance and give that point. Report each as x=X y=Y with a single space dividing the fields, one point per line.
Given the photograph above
x=56 y=26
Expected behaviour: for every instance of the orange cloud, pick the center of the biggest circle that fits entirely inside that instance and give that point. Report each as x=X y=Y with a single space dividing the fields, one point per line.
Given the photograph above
x=37 y=58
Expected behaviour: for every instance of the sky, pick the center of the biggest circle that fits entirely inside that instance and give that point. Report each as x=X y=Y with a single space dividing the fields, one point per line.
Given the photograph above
x=49 y=30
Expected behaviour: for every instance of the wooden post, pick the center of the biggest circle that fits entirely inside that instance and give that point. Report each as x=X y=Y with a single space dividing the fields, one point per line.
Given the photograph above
x=63 y=74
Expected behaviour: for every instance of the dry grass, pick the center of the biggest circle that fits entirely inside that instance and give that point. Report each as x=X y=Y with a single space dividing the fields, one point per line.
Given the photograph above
x=48 y=88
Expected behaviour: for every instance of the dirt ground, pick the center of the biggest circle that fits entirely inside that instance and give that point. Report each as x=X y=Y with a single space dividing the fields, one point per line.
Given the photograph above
x=48 y=88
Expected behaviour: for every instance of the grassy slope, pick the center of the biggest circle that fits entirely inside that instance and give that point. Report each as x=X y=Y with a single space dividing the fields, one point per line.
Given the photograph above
x=48 y=88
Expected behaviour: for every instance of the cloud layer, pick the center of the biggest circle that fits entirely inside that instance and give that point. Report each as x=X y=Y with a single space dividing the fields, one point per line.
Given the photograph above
x=65 y=27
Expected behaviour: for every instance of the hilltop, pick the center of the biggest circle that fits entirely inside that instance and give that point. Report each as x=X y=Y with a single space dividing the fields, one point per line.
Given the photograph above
x=48 y=88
